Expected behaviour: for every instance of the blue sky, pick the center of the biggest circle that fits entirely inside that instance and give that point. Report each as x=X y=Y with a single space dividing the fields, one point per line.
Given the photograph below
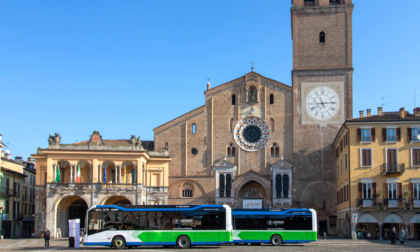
x=126 y=67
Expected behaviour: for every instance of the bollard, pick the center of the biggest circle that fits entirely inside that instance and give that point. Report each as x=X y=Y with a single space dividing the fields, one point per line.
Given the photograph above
x=325 y=235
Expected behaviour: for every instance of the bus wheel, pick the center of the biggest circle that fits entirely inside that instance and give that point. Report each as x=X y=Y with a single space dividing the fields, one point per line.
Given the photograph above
x=276 y=240
x=118 y=242
x=183 y=242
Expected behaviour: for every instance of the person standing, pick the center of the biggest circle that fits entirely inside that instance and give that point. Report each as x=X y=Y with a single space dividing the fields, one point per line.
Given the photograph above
x=393 y=235
x=47 y=237
x=402 y=235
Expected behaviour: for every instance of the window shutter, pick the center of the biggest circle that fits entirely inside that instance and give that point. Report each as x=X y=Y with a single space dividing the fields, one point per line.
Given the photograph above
x=360 y=188
x=398 y=134
x=347 y=138
x=370 y=157
x=338 y=200
x=383 y=135
x=359 y=135
x=411 y=189
x=385 y=190
x=409 y=136
x=416 y=156
x=347 y=192
x=372 y=133
x=374 y=190
x=400 y=190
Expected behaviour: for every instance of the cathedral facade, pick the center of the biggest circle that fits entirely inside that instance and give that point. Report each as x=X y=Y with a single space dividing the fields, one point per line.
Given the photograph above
x=258 y=143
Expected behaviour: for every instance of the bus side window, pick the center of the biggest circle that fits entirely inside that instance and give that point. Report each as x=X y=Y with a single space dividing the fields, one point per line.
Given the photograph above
x=305 y=222
x=291 y=223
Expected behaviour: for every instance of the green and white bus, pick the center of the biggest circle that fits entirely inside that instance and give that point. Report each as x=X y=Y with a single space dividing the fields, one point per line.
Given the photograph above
x=274 y=226
x=181 y=226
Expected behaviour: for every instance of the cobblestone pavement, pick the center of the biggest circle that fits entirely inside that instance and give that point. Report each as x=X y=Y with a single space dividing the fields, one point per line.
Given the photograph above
x=37 y=244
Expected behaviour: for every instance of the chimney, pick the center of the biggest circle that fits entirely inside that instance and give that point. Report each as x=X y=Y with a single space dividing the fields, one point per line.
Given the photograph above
x=380 y=111
x=416 y=112
x=361 y=113
x=402 y=113
x=29 y=159
x=368 y=112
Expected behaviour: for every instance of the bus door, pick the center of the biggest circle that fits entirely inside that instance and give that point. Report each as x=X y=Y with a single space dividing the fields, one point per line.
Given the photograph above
x=159 y=224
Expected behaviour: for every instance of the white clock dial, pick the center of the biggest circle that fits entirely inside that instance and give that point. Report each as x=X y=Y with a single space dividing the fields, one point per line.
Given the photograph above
x=322 y=103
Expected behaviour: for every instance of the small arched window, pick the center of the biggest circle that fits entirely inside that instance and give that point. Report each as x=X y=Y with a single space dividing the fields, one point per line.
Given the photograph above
x=271 y=99
x=322 y=37
x=233 y=99
x=228 y=184
x=285 y=186
x=187 y=191
x=231 y=150
x=194 y=128
x=274 y=150
x=278 y=186
x=222 y=185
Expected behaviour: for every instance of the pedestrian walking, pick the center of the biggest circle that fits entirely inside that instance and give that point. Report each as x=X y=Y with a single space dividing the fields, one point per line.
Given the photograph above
x=393 y=235
x=46 y=235
x=402 y=235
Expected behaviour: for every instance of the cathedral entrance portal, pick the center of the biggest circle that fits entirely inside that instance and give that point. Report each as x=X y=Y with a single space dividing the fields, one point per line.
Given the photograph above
x=252 y=195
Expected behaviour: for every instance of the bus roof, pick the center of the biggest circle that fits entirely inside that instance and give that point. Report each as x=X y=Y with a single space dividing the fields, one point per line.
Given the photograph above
x=292 y=211
x=156 y=207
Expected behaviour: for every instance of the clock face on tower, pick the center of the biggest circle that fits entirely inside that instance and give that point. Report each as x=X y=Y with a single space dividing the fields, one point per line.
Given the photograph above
x=251 y=133
x=322 y=103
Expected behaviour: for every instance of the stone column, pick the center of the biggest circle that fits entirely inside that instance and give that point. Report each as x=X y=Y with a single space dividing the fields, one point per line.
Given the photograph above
x=115 y=174
x=134 y=179
x=100 y=174
x=71 y=174
x=380 y=231
x=74 y=173
x=54 y=170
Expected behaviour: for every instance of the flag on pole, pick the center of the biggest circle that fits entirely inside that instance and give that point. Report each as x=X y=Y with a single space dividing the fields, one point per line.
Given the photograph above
x=105 y=173
x=57 y=177
x=124 y=174
x=78 y=174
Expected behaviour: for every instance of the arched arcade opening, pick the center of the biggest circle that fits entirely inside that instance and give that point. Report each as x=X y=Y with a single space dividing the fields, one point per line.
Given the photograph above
x=70 y=207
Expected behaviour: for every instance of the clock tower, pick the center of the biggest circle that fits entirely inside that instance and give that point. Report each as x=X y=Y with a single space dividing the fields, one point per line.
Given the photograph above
x=322 y=98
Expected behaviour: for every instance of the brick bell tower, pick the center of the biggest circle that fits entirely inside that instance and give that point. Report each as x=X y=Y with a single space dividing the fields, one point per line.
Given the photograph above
x=322 y=79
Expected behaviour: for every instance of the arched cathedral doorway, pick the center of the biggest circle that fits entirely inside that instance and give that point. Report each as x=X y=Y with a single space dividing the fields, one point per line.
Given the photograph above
x=253 y=195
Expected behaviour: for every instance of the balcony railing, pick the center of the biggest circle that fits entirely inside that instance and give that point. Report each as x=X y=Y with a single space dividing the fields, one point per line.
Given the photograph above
x=5 y=192
x=412 y=203
x=368 y=202
x=108 y=187
x=18 y=216
x=391 y=168
x=388 y=203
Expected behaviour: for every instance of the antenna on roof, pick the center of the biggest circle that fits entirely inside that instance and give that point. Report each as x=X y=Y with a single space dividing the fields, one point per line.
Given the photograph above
x=383 y=104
